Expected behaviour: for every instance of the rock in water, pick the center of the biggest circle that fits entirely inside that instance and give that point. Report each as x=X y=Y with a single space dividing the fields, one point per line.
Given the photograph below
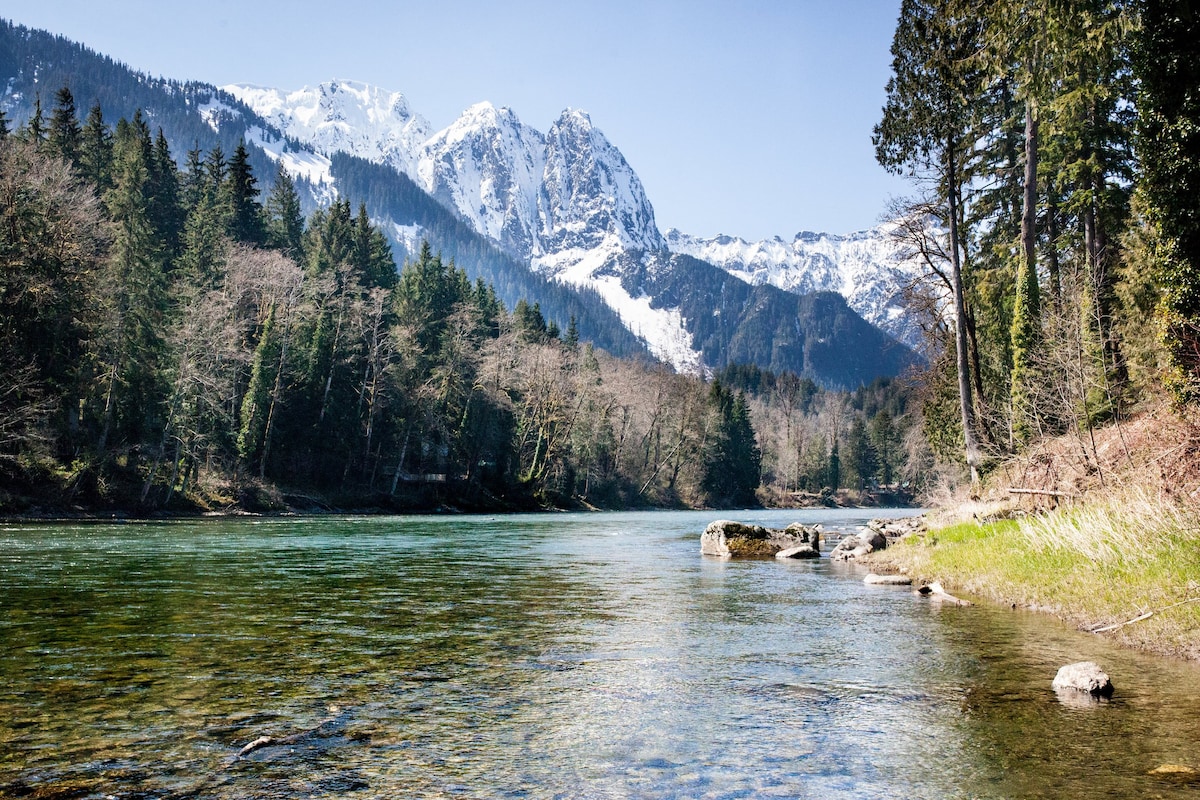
x=728 y=539
x=799 y=551
x=1084 y=676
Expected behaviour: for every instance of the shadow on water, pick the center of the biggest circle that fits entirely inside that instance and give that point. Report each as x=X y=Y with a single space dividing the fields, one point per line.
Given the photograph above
x=536 y=656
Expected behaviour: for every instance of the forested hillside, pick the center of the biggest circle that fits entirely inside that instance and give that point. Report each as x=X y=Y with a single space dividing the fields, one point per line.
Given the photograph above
x=171 y=338
x=199 y=116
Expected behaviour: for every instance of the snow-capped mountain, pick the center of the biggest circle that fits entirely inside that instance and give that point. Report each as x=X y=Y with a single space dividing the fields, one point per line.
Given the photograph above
x=488 y=166
x=868 y=268
x=569 y=204
x=344 y=116
x=591 y=197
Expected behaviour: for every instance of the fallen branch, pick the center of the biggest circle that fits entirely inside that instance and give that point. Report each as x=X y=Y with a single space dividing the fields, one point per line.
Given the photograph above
x=1141 y=617
x=1042 y=491
x=934 y=591
x=225 y=772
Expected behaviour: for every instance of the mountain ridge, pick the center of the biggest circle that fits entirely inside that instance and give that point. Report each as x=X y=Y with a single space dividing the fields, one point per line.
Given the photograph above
x=587 y=206
x=560 y=218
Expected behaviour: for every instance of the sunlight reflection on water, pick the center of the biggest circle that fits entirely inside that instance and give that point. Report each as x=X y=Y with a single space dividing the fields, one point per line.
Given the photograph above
x=555 y=655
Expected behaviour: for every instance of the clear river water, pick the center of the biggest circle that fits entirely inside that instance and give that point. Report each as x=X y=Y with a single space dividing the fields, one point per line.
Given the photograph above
x=539 y=656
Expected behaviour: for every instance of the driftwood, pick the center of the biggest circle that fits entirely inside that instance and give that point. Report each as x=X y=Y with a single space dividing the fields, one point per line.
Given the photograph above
x=934 y=591
x=279 y=741
x=223 y=774
x=1141 y=617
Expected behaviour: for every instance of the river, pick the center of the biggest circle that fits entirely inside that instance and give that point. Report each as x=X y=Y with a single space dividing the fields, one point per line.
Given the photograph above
x=550 y=655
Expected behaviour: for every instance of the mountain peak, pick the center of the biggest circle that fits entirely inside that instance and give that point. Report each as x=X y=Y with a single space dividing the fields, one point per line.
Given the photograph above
x=343 y=115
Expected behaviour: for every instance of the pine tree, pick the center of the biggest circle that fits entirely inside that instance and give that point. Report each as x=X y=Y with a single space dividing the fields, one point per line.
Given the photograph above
x=925 y=129
x=194 y=184
x=96 y=151
x=885 y=439
x=833 y=474
x=860 y=453
x=65 y=136
x=245 y=213
x=284 y=218
x=35 y=129
x=135 y=300
x=732 y=460
x=572 y=338
x=165 y=210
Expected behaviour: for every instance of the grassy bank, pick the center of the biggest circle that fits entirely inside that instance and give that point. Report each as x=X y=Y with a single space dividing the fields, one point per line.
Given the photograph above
x=1122 y=553
x=1097 y=565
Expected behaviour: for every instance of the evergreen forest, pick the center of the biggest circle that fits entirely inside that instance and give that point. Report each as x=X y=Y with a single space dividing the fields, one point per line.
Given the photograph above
x=176 y=337
x=1054 y=152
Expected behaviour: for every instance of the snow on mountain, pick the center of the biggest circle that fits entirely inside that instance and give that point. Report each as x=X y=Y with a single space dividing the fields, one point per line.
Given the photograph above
x=662 y=329
x=869 y=268
x=311 y=166
x=344 y=115
x=569 y=203
x=590 y=194
x=488 y=165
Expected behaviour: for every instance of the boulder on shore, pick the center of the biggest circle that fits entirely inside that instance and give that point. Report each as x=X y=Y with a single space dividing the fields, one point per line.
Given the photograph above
x=728 y=539
x=1083 y=676
x=896 y=529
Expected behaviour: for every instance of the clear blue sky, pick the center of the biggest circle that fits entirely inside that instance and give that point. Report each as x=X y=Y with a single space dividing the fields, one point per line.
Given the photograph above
x=750 y=118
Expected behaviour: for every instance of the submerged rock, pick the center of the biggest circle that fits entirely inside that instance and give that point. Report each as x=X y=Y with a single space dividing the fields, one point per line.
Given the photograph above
x=1176 y=773
x=728 y=539
x=934 y=591
x=1084 y=676
x=887 y=580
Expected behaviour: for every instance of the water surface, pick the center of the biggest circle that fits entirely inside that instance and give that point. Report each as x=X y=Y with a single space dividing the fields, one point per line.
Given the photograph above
x=558 y=655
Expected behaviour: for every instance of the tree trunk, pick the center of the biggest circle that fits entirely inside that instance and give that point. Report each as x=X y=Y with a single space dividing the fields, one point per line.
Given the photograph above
x=966 y=408
x=1026 y=324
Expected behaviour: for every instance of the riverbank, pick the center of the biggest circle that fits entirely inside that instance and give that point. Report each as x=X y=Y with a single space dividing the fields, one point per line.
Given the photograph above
x=36 y=492
x=1105 y=537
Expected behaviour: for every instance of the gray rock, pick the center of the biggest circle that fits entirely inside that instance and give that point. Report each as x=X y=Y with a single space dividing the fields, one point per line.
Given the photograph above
x=896 y=529
x=1084 y=676
x=848 y=549
x=807 y=534
x=887 y=580
x=799 y=551
x=858 y=545
x=728 y=539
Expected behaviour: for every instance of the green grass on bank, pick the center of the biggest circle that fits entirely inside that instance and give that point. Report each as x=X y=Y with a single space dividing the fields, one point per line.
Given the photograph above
x=1092 y=564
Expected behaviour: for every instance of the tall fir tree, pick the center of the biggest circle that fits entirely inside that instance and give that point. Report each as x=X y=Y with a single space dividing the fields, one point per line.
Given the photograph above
x=1168 y=72
x=65 y=135
x=284 y=217
x=925 y=129
x=96 y=151
x=245 y=212
x=134 y=294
